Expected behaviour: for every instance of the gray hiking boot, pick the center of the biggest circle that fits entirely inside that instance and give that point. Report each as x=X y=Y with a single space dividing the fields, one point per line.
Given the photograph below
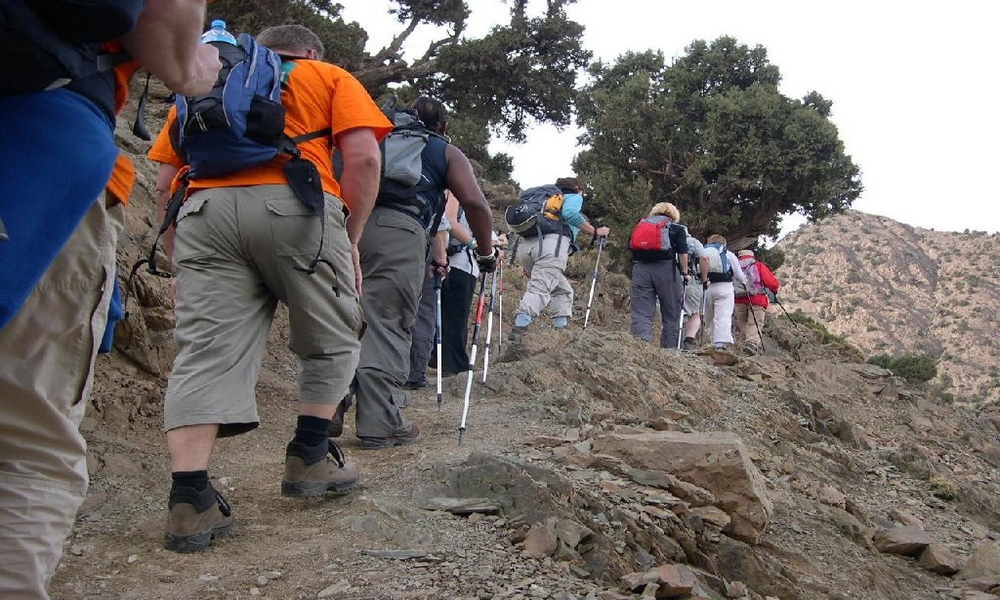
x=309 y=474
x=515 y=333
x=195 y=518
x=751 y=350
x=337 y=422
x=410 y=436
x=690 y=344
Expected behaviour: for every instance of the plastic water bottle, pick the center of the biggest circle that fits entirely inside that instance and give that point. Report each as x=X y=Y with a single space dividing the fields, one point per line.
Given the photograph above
x=218 y=33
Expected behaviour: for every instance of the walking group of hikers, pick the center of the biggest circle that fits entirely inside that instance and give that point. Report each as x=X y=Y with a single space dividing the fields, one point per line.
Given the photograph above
x=696 y=285
x=290 y=186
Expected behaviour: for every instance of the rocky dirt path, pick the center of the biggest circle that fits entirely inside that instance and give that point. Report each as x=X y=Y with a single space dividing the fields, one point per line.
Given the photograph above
x=371 y=544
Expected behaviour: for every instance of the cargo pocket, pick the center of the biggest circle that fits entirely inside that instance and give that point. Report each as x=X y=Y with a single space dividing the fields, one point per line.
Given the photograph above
x=191 y=239
x=295 y=228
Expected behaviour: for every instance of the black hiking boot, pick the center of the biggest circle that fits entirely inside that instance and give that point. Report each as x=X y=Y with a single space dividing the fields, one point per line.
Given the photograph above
x=337 y=421
x=195 y=518
x=311 y=471
x=690 y=344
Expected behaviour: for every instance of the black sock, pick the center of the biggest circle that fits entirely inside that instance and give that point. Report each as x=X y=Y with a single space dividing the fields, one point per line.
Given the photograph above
x=312 y=431
x=197 y=480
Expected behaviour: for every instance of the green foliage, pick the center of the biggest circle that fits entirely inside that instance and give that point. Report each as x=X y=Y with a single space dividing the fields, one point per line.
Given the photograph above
x=822 y=333
x=520 y=72
x=914 y=368
x=344 y=43
x=712 y=134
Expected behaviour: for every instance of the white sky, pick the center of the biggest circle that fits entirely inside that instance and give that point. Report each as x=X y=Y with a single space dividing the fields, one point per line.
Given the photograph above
x=914 y=86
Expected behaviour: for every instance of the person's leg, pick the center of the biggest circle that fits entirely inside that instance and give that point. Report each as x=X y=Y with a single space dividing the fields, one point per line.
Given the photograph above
x=324 y=315
x=456 y=303
x=723 y=300
x=422 y=342
x=548 y=286
x=392 y=255
x=223 y=313
x=536 y=295
x=47 y=353
x=670 y=291
x=643 y=301
x=693 y=295
x=740 y=318
x=754 y=326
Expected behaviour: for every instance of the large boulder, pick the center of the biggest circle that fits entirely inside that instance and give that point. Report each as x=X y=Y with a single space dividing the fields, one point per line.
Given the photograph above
x=716 y=461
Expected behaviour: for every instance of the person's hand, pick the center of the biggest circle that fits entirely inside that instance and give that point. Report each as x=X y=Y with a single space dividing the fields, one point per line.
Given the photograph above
x=687 y=278
x=438 y=269
x=602 y=232
x=488 y=263
x=704 y=284
x=206 y=71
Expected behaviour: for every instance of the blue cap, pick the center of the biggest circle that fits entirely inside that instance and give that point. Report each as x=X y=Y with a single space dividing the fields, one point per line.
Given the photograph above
x=218 y=23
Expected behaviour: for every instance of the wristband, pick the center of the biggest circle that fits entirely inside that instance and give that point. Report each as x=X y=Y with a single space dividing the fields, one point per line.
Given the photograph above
x=472 y=244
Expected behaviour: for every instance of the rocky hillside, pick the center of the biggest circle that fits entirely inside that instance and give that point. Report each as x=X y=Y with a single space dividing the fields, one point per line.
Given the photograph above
x=891 y=288
x=595 y=467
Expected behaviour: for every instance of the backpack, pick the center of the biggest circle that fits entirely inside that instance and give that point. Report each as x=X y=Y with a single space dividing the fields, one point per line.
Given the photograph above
x=46 y=44
x=753 y=286
x=719 y=269
x=537 y=212
x=403 y=185
x=237 y=125
x=650 y=240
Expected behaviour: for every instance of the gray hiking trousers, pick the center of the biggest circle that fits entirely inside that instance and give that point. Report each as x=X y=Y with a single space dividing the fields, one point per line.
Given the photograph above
x=392 y=251
x=547 y=286
x=652 y=281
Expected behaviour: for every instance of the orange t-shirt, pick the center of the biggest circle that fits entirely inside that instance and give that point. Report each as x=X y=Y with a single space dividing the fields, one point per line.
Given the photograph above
x=123 y=175
x=317 y=96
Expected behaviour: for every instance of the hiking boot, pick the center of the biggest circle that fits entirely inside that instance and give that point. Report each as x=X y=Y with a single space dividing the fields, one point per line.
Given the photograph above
x=690 y=344
x=751 y=350
x=515 y=333
x=411 y=436
x=309 y=472
x=195 y=518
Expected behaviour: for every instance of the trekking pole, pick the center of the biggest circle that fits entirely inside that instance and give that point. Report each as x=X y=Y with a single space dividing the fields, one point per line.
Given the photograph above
x=704 y=310
x=500 y=307
x=593 y=282
x=472 y=355
x=680 y=321
x=489 y=328
x=437 y=334
x=778 y=302
x=760 y=333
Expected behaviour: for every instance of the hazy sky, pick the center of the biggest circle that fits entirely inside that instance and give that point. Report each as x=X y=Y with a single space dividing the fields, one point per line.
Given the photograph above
x=914 y=86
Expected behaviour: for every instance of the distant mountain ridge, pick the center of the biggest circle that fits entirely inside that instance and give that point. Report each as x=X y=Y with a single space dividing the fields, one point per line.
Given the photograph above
x=891 y=289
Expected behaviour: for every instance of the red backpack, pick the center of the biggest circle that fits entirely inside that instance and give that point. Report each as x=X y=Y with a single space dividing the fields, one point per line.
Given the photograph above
x=650 y=235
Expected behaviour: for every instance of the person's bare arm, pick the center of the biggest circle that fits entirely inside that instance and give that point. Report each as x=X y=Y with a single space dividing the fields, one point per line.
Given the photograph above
x=458 y=231
x=462 y=182
x=166 y=41
x=359 y=183
x=164 y=178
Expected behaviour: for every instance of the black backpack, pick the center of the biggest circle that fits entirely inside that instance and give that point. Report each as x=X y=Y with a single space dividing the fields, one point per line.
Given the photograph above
x=403 y=185
x=46 y=44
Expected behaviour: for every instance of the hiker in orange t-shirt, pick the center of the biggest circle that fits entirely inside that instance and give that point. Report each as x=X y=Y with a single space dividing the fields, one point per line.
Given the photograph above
x=241 y=244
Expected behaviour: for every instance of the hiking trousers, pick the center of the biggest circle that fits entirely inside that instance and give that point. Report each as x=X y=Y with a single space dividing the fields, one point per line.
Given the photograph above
x=652 y=281
x=547 y=286
x=392 y=260
x=424 y=328
x=456 y=304
x=235 y=253
x=693 y=294
x=719 y=311
x=47 y=354
x=747 y=326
